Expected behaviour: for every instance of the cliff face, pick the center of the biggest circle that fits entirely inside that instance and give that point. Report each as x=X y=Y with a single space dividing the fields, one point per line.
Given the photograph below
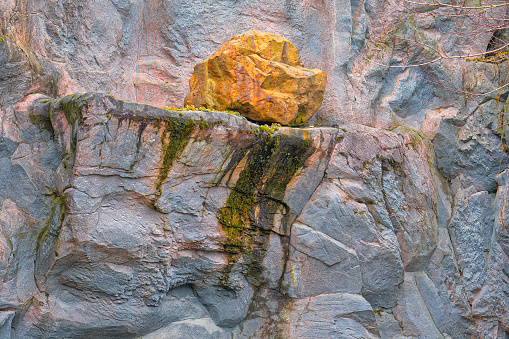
x=119 y=219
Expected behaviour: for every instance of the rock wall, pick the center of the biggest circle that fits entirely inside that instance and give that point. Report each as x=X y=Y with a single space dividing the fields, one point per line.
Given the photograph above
x=156 y=223
x=125 y=220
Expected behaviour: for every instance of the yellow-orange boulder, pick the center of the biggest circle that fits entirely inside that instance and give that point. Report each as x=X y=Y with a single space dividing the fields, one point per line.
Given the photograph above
x=259 y=75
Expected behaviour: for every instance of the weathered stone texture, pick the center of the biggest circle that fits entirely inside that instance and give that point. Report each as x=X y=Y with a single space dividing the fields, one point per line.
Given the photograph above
x=117 y=223
x=138 y=243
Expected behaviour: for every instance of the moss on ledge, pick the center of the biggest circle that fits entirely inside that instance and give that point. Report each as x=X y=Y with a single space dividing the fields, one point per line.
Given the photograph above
x=248 y=215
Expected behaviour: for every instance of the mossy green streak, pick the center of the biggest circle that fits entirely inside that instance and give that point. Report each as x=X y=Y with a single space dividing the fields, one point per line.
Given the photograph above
x=51 y=229
x=235 y=216
x=273 y=163
x=174 y=138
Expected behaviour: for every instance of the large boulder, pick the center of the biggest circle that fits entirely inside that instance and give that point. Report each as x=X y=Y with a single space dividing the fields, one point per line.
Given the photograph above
x=260 y=75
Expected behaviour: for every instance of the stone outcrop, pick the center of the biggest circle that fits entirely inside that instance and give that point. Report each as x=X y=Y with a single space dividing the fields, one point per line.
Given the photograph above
x=156 y=223
x=258 y=74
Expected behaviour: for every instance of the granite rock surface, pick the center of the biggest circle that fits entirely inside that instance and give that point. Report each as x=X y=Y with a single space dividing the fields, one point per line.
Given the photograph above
x=115 y=222
x=151 y=231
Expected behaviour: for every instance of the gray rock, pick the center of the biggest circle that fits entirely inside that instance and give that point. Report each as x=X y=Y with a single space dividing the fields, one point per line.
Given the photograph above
x=189 y=329
x=83 y=202
x=471 y=230
x=501 y=229
x=92 y=319
x=491 y=303
x=267 y=317
x=306 y=276
x=319 y=246
x=273 y=263
x=337 y=315
x=388 y=326
x=367 y=207
x=6 y=318
x=451 y=310
x=448 y=319
x=30 y=213
x=412 y=312
x=226 y=307
x=466 y=148
x=135 y=243
x=150 y=58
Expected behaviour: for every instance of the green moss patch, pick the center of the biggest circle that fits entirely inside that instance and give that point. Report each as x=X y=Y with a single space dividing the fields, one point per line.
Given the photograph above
x=174 y=138
x=200 y=109
x=51 y=230
x=299 y=120
x=42 y=122
x=236 y=216
x=249 y=212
